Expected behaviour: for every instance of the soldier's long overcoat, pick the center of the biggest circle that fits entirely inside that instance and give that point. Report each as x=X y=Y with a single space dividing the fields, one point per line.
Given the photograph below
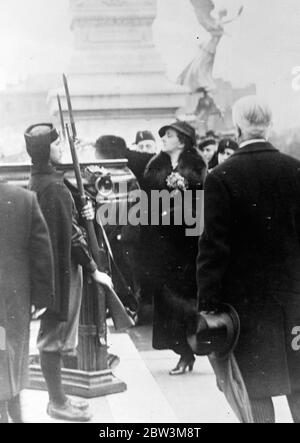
x=56 y=204
x=26 y=277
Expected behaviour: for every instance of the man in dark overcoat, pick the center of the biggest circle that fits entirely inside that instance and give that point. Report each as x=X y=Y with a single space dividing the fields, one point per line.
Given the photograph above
x=58 y=333
x=26 y=280
x=249 y=257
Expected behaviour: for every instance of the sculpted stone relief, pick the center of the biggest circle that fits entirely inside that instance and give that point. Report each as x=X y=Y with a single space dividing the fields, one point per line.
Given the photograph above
x=113 y=2
x=98 y=3
x=89 y=17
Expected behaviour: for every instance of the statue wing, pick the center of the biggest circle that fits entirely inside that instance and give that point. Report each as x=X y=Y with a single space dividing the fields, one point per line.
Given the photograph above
x=235 y=17
x=203 y=10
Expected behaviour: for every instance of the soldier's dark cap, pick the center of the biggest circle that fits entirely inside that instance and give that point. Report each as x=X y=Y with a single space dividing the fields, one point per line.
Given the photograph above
x=182 y=127
x=143 y=135
x=38 y=139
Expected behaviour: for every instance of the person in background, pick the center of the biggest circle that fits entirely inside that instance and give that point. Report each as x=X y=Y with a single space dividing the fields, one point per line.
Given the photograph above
x=171 y=253
x=226 y=148
x=145 y=142
x=208 y=148
x=249 y=257
x=58 y=333
x=26 y=288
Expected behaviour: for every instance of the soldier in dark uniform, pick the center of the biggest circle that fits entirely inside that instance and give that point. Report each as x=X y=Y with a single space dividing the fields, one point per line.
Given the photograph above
x=26 y=279
x=59 y=326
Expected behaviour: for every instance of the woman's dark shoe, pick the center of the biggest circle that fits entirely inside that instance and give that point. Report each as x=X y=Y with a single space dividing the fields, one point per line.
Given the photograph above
x=112 y=361
x=183 y=365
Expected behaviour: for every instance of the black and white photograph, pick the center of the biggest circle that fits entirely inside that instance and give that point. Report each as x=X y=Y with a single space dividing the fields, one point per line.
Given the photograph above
x=149 y=214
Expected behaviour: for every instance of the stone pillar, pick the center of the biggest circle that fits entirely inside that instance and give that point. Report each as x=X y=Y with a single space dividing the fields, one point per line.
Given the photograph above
x=116 y=76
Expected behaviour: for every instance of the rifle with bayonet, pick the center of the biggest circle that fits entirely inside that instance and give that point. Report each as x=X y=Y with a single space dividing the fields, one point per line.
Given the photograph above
x=118 y=313
x=62 y=124
x=129 y=296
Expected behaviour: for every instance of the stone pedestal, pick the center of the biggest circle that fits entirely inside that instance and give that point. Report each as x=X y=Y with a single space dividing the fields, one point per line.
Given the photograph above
x=116 y=77
x=86 y=374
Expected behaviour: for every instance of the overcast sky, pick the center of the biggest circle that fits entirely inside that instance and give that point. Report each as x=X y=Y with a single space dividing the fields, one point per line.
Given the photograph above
x=263 y=46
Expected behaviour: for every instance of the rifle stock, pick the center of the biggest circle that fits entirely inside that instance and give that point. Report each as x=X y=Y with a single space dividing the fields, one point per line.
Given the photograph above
x=121 y=319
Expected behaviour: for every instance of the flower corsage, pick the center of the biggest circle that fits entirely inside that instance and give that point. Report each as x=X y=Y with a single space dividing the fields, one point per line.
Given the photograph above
x=176 y=182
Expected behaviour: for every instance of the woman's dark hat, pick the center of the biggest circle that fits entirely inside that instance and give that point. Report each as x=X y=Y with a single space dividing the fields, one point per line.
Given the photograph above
x=217 y=333
x=38 y=139
x=182 y=127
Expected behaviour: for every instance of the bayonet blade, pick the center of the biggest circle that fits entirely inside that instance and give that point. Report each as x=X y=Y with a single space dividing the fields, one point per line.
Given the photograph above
x=62 y=123
x=68 y=97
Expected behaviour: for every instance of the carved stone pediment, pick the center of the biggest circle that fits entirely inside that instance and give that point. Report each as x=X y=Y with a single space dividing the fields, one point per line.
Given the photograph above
x=99 y=4
x=95 y=3
x=113 y=2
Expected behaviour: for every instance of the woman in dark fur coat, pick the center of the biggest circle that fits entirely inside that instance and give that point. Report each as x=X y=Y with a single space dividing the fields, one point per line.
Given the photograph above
x=171 y=253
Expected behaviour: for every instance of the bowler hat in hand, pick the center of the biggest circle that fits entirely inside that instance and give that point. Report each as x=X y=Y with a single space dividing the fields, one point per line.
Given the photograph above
x=216 y=333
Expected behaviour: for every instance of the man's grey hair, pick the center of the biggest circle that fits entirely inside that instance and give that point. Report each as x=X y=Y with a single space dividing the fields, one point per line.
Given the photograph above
x=252 y=115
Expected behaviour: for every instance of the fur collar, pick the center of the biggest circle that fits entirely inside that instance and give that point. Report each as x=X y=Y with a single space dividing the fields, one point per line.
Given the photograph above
x=190 y=165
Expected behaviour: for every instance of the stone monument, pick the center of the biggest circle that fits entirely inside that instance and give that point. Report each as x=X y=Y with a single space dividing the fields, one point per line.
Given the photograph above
x=117 y=79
